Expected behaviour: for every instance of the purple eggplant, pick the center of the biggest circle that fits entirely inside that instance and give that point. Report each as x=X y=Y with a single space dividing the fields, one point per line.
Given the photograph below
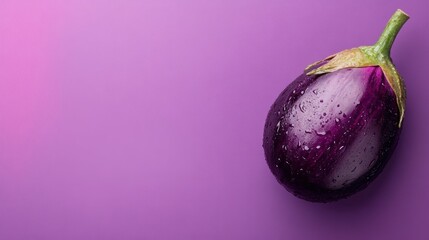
x=333 y=129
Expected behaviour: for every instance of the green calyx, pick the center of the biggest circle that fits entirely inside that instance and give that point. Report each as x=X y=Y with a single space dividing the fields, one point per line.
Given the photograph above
x=376 y=55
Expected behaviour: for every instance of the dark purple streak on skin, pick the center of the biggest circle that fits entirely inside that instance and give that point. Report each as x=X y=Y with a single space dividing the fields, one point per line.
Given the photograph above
x=328 y=136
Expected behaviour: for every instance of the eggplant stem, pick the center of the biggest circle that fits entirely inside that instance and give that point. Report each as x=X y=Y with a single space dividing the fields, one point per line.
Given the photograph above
x=384 y=43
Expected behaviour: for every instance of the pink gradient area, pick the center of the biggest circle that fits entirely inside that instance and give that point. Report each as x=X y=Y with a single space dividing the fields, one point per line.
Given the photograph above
x=143 y=119
x=27 y=89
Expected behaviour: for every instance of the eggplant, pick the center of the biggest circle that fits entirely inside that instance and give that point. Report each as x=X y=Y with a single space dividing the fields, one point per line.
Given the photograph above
x=333 y=129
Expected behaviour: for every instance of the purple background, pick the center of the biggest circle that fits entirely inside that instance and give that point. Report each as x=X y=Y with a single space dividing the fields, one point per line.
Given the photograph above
x=144 y=119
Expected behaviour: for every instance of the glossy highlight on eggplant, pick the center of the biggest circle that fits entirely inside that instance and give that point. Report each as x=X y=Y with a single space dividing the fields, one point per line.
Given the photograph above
x=333 y=129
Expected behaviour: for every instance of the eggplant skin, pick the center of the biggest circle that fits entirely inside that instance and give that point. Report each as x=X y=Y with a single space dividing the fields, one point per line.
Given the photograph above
x=328 y=136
